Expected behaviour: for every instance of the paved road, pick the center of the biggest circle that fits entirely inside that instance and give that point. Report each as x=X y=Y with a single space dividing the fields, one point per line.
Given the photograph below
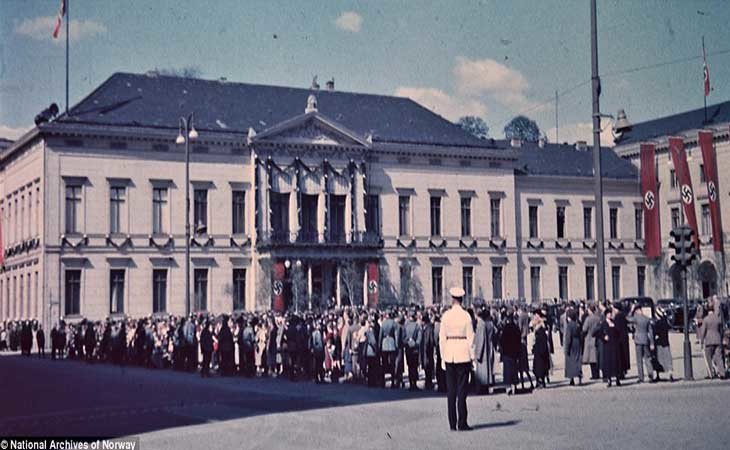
x=178 y=410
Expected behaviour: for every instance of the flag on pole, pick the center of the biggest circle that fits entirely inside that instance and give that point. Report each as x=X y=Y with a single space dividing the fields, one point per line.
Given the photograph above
x=679 y=159
x=713 y=195
x=373 y=281
x=705 y=70
x=652 y=233
x=59 y=19
x=277 y=287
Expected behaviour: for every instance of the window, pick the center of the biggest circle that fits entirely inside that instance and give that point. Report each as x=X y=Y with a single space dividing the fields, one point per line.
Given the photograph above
x=37 y=211
x=437 y=284
x=159 y=210
x=337 y=218
x=587 y=222
x=467 y=281
x=22 y=217
x=238 y=212
x=535 y=283
x=563 y=282
x=465 y=216
x=590 y=282
x=640 y=280
x=72 y=292
x=116 y=206
x=200 y=210
x=73 y=208
x=116 y=291
x=705 y=220
x=560 y=221
x=279 y=204
x=616 y=282
x=159 y=290
x=200 y=277
x=495 y=209
x=309 y=231
x=435 y=216
x=639 y=222
x=497 y=292
x=372 y=217
x=672 y=179
x=533 y=221
x=404 y=211
x=613 y=223
x=31 y=227
x=405 y=282
x=702 y=174
x=239 y=289
x=676 y=217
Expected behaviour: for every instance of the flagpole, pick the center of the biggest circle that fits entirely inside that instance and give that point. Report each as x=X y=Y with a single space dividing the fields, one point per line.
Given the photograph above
x=68 y=21
x=704 y=74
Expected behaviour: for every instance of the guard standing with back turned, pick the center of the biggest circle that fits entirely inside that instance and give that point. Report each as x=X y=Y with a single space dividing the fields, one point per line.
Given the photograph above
x=456 y=336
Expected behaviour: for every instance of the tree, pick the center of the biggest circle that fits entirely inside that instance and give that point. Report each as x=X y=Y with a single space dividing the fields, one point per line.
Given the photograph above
x=474 y=125
x=351 y=276
x=522 y=128
x=183 y=72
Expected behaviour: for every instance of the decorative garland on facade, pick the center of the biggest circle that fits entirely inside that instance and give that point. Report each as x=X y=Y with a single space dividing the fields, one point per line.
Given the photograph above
x=170 y=242
x=126 y=242
x=65 y=242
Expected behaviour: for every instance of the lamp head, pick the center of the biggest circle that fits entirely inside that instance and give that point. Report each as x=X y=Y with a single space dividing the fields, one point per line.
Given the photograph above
x=193 y=134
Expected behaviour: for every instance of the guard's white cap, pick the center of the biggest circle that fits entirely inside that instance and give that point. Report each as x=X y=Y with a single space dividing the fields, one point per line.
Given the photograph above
x=457 y=292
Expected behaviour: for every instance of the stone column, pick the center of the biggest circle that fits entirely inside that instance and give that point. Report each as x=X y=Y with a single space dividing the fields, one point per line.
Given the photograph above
x=309 y=285
x=359 y=205
x=337 y=285
x=321 y=198
x=263 y=191
x=348 y=216
x=293 y=215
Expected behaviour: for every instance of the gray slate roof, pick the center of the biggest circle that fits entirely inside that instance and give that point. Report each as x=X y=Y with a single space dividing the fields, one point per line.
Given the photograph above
x=566 y=160
x=677 y=123
x=158 y=101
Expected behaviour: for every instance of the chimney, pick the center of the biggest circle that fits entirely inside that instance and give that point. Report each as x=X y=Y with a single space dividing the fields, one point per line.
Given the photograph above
x=331 y=84
x=516 y=143
x=581 y=146
x=541 y=142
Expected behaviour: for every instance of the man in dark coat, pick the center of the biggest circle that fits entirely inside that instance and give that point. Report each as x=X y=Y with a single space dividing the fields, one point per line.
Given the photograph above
x=510 y=343
x=226 y=348
x=412 y=341
x=624 y=357
x=40 y=338
x=644 y=342
x=440 y=373
x=399 y=350
x=54 y=341
x=26 y=338
x=246 y=349
x=609 y=334
x=572 y=347
x=206 y=347
x=540 y=351
x=428 y=345
x=90 y=341
x=711 y=335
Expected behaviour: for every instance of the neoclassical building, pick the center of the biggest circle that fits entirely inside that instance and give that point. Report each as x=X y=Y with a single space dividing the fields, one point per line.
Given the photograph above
x=709 y=274
x=299 y=198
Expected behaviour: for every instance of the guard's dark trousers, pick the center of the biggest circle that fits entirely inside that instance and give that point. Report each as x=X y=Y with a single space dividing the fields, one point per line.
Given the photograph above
x=457 y=385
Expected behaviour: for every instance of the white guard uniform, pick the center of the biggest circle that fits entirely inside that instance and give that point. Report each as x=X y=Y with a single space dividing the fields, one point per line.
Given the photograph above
x=456 y=336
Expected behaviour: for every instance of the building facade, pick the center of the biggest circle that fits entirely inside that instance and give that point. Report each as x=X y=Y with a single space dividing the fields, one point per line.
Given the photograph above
x=299 y=196
x=708 y=275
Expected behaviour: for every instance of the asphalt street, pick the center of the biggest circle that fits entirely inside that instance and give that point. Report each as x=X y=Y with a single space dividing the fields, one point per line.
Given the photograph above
x=182 y=411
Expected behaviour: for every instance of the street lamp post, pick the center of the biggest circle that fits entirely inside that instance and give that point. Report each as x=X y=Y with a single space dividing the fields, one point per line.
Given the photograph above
x=186 y=133
x=597 y=174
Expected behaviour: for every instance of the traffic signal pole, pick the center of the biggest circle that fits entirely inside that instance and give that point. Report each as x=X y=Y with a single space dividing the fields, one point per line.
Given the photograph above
x=684 y=255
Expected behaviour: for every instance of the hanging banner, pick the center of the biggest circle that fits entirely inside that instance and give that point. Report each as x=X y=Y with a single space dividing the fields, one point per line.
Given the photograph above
x=373 y=284
x=650 y=195
x=277 y=287
x=681 y=169
x=710 y=172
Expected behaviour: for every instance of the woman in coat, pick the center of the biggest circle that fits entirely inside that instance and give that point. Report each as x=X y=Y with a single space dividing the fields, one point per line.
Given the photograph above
x=610 y=334
x=484 y=351
x=271 y=350
x=540 y=351
x=663 y=352
x=572 y=348
x=510 y=342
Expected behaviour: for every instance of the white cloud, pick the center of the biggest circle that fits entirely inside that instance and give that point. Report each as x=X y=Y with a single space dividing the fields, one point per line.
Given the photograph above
x=12 y=133
x=41 y=29
x=582 y=131
x=438 y=101
x=487 y=77
x=349 y=21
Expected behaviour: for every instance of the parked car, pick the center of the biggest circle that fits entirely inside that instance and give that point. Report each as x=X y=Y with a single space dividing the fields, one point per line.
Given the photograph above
x=646 y=304
x=674 y=309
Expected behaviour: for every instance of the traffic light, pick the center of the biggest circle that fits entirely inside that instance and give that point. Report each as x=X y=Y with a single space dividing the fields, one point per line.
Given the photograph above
x=685 y=251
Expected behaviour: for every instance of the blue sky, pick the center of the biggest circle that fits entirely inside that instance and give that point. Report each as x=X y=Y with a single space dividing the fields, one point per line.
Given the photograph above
x=494 y=59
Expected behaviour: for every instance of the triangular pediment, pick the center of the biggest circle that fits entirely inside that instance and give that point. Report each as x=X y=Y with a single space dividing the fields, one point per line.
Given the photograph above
x=310 y=129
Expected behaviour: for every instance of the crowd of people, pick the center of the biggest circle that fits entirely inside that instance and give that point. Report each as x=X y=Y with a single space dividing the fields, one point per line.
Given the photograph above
x=395 y=347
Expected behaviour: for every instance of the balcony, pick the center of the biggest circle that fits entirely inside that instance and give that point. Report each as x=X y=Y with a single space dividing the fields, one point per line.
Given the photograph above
x=278 y=239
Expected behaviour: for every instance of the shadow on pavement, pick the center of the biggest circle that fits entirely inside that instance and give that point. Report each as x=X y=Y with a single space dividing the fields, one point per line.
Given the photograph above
x=506 y=423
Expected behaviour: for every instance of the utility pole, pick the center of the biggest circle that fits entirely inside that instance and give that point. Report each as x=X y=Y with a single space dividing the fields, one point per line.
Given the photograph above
x=557 y=139
x=597 y=173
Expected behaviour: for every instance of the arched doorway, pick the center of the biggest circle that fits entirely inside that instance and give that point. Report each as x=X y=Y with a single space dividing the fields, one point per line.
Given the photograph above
x=707 y=275
x=676 y=273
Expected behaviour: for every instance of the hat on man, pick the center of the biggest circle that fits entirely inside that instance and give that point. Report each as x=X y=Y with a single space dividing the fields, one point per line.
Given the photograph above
x=457 y=293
